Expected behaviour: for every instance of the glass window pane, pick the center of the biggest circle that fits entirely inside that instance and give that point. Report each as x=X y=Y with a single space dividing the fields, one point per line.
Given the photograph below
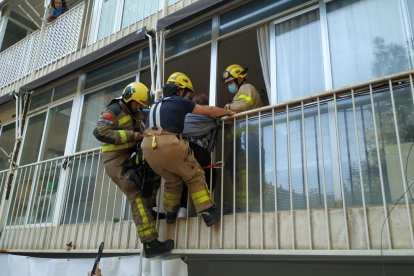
x=65 y=89
x=135 y=11
x=253 y=12
x=45 y=191
x=56 y=131
x=93 y=105
x=32 y=139
x=188 y=39
x=7 y=144
x=299 y=57
x=106 y=22
x=113 y=70
x=363 y=45
x=41 y=98
x=92 y=196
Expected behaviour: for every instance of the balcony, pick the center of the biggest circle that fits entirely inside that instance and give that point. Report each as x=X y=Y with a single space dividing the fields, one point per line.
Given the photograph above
x=328 y=175
x=45 y=51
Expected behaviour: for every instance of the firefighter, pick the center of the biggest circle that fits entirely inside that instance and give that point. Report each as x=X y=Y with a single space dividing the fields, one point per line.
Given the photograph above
x=120 y=128
x=246 y=97
x=170 y=156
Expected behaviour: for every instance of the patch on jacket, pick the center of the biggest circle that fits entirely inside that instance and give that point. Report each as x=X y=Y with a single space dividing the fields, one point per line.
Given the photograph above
x=103 y=122
x=108 y=116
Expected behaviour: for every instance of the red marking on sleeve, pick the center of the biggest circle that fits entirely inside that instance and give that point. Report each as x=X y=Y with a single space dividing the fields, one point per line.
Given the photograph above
x=108 y=116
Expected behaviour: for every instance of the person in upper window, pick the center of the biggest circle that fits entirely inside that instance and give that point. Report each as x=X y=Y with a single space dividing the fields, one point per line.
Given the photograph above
x=58 y=8
x=246 y=97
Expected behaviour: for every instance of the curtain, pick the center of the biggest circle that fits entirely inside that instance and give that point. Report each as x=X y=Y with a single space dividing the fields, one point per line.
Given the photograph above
x=264 y=53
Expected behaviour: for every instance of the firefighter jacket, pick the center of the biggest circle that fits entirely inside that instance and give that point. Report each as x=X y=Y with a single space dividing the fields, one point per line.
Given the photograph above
x=247 y=98
x=115 y=128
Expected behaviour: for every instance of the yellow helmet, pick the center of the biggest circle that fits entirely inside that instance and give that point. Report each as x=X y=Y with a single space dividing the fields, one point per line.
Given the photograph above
x=234 y=71
x=180 y=80
x=136 y=91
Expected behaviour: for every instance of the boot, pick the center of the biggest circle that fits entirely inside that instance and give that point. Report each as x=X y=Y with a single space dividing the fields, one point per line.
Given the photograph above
x=170 y=219
x=156 y=248
x=211 y=215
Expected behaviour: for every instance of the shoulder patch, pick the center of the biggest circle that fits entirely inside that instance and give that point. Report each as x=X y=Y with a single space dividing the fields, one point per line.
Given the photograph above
x=108 y=116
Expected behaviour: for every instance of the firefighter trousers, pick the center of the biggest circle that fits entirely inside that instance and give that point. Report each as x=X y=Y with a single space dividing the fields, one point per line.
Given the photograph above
x=141 y=211
x=171 y=158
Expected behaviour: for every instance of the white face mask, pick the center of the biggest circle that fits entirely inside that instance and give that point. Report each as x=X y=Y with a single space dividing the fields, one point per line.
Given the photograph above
x=232 y=88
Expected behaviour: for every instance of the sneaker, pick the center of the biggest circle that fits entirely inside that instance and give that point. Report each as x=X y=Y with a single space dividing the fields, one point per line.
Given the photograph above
x=211 y=215
x=182 y=213
x=170 y=219
x=156 y=248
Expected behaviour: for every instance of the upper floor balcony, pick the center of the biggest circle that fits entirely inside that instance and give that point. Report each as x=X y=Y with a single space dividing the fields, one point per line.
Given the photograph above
x=326 y=174
x=83 y=29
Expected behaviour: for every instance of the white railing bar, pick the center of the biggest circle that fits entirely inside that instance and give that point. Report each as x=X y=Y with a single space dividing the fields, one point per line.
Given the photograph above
x=99 y=205
x=113 y=214
x=105 y=222
x=85 y=152
x=384 y=200
x=247 y=184
x=305 y=177
x=93 y=200
x=275 y=179
x=292 y=221
x=17 y=199
x=22 y=226
x=49 y=241
x=43 y=225
x=341 y=183
x=405 y=184
x=327 y=228
x=261 y=182
x=234 y=182
x=65 y=225
x=412 y=97
x=87 y=195
x=77 y=230
x=32 y=203
x=364 y=207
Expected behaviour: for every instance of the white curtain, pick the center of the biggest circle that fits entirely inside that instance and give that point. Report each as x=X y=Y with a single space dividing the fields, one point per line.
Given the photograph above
x=264 y=53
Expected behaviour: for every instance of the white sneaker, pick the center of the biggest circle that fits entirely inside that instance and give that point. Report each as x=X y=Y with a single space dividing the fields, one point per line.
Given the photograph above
x=182 y=213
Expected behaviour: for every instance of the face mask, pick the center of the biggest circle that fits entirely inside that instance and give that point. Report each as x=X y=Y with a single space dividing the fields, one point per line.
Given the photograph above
x=232 y=88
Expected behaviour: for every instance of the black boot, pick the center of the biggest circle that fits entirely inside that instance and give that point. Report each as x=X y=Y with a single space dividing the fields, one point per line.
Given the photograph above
x=170 y=219
x=156 y=248
x=211 y=215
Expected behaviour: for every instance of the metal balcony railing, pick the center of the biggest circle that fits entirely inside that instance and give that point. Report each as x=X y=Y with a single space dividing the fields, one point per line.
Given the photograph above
x=326 y=174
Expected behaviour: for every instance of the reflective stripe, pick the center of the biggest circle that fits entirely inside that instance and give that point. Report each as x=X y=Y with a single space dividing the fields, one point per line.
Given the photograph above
x=123 y=135
x=110 y=147
x=171 y=199
x=141 y=211
x=171 y=202
x=247 y=98
x=171 y=196
x=124 y=120
x=200 y=197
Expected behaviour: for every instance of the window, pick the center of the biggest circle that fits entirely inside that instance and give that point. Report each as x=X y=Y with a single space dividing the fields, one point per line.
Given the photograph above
x=299 y=63
x=363 y=45
x=7 y=139
x=44 y=96
x=93 y=105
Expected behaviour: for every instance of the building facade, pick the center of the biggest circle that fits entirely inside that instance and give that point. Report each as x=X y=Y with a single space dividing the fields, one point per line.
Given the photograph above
x=320 y=179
